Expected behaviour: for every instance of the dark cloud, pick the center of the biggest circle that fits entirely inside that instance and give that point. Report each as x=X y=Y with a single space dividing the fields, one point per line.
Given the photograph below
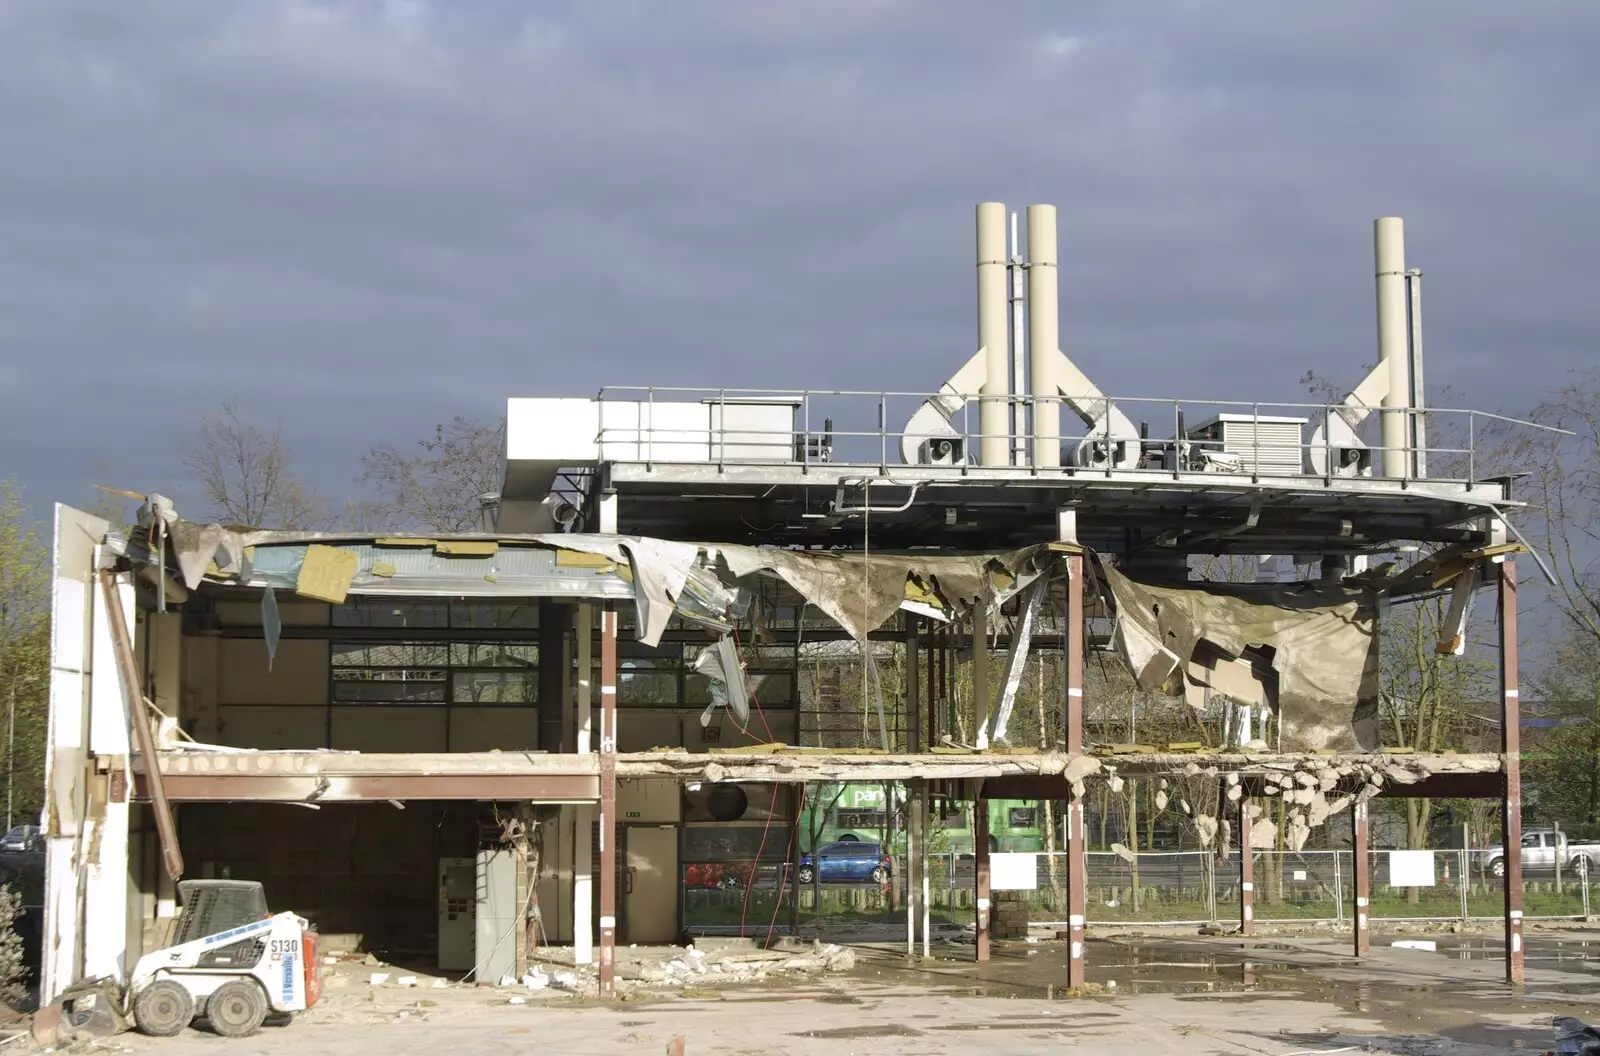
x=363 y=218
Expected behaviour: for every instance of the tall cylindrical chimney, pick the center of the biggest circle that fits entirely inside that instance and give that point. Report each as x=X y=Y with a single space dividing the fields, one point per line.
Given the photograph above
x=1389 y=252
x=1044 y=334
x=994 y=411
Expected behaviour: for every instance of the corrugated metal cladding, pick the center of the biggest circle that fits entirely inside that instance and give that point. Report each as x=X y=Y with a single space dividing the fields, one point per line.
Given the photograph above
x=512 y=571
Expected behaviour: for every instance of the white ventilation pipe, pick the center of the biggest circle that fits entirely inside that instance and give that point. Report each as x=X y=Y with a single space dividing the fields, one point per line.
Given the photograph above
x=1389 y=252
x=1044 y=334
x=994 y=411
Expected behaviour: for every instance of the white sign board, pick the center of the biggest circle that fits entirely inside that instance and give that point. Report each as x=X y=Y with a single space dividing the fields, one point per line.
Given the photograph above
x=1013 y=872
x=1411 y=869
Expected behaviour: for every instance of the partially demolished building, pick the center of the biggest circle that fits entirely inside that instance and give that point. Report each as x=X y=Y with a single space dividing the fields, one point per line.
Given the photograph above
x=466 y=746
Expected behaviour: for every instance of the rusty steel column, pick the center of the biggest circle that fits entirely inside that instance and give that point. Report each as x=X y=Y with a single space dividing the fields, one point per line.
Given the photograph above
x=1361 y=868
x=608 y=800
x=1247 y=871
x=980 y=872
x=1077 y=882
x=1511 y=745
x=797 y=805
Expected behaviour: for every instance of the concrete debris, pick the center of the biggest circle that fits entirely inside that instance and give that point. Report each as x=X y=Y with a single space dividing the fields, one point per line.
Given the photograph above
x=536 y=980
x=1080 y=768
x=516 y=999
x=1298 y=831
x=406 y=980
x=1161 y=799
x=1205 y=827
x=1233 y=779
x=1263 y=833
x=1191 y=769
x=377 y=978
x=1317 y=812
x=1235 y=793
x=1122 y=852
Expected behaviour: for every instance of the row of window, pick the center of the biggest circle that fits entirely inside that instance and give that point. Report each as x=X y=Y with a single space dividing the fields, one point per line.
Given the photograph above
x=508 y=673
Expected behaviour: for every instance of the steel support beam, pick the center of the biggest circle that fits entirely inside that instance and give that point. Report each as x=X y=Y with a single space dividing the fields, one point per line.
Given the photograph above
x=1361 y=866
x=309 y=788
x=914 y=862
x=797 y=804
x=139 y=718
x=980 y=873
x=1511 y=746
x=1077 y=886
x=913 y=683
x=608 y=800
x=1247 y=871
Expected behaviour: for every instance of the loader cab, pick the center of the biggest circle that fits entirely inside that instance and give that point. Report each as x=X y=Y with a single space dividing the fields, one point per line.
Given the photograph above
x=211 y=907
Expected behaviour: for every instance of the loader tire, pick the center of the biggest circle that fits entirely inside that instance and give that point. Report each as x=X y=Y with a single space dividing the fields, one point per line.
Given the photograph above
x=237 y=1009
x=163 y=1008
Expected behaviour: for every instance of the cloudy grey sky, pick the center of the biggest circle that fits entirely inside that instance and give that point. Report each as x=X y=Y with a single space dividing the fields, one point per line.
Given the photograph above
x=363 y=218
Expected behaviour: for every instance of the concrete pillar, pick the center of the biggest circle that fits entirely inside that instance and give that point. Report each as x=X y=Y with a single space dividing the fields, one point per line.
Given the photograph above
x=980 y=874
x=1389 y=252
x=994 y=413
x=914 y=852
x=1247 y=871
x=980 y=665
x=608 y=798
x=105 y=885
x=1361 y=868
x=922 y=841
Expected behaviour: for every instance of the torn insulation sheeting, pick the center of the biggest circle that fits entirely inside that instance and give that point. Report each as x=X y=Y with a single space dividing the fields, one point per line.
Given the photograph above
x=1310 y=651
x=325 y=574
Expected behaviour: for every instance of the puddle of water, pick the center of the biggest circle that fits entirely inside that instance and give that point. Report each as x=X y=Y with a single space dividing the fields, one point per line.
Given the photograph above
x=890 y=1031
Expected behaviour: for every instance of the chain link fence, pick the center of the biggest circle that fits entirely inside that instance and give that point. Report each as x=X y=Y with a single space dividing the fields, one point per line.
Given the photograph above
x=1150 y=887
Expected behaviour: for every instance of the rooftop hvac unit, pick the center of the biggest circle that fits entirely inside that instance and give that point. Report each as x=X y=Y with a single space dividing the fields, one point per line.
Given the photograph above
x=1262 y=443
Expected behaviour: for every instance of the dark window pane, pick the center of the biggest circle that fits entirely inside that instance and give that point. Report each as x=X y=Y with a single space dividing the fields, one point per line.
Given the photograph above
x=494 y=654
x=390 y=654
x=495 y=687
x=382 y=612
x=494 y=614
x=389 y=692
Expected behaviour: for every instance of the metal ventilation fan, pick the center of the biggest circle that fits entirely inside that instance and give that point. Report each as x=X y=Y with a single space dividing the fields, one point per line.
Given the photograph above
x=720 y=664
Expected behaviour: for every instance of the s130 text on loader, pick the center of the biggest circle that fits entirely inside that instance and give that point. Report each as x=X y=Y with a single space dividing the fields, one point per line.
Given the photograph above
x=233 y=964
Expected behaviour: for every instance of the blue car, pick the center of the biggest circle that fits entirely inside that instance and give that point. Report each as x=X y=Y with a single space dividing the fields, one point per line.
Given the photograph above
x=846 y=862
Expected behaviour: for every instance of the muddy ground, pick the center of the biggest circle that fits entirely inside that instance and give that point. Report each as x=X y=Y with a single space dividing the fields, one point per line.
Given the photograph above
x=1154 y=993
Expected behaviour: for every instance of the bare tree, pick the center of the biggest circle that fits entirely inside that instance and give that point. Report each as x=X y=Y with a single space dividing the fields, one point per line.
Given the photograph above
x=245 y=477
x=439 y=487
x=1566 y=489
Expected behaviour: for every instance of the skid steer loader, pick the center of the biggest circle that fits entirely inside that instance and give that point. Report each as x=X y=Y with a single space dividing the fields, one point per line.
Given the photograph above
x=232 y=964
